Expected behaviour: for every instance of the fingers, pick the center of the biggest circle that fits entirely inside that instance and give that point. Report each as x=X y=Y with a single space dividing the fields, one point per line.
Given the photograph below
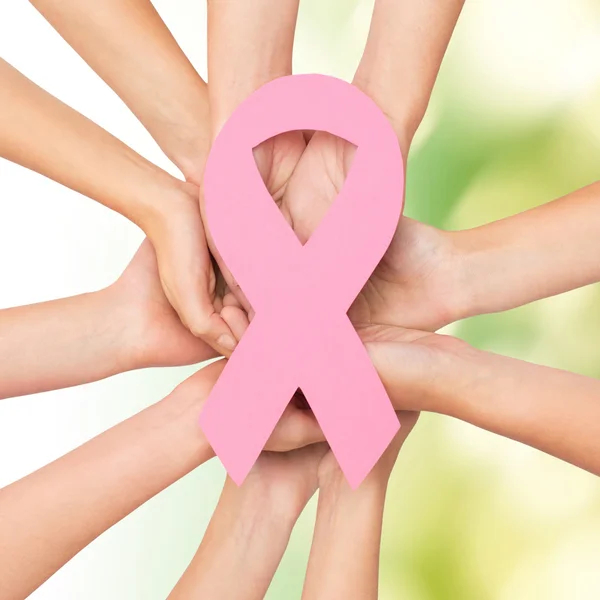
x=187 y=274
x=236 y=319
x=190 y=296
x=200 y=384
x=420 y=371
x=296 y=428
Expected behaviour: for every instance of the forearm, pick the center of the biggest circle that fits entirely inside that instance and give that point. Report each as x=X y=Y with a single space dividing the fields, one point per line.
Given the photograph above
x=250 y=44
x=49 y=516
x=552 y=410
x=62 y=343
x=241 y=550
x=43 y=134
x=406 y=44
x=129 y=46
x=344 y=557
x=536 y=254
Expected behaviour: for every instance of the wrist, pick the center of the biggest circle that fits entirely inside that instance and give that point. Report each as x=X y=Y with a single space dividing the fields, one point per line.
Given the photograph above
x=187 y=148
x=336 y=495
x=180 y=411
x=129 y=326
x=478 y=256
x=383 y=91
x=105 y=307
x=161 y=198
x=276 y=500
x=461 y=302
x=258 y=508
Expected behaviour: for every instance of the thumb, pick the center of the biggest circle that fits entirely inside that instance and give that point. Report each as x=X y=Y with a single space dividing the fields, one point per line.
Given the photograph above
x=188 y=281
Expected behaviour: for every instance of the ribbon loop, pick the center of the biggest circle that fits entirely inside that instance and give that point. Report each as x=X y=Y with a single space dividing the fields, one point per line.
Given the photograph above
x=314 y=284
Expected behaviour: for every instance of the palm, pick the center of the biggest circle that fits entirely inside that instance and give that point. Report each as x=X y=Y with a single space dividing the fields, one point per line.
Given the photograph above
x=409 y=362
x=276 y=159
x=413 y=276
x=411 y=284
x=161 y=337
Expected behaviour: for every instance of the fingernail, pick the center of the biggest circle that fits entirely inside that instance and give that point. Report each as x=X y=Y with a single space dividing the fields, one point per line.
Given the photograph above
x=227 y=342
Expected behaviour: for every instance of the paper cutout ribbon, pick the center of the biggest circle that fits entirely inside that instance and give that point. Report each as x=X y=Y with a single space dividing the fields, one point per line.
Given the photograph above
x=301 y=336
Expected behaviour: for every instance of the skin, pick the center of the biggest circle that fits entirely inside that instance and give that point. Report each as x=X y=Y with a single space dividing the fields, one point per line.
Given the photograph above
x=43 y=134
x=515 y=261
x=554 y=411
x=405 y=43
x=252 y=524
x=90 y=489
x=251 y=527
x=128 y=45
x=128 y=325
x=428 y=278
x=250 y=44
x=344 y=556
x=421 y=371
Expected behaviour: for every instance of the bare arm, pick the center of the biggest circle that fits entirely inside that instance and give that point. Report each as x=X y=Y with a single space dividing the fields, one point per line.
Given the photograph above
x=552 y=410
x=128 y=325
x=249 y=44
x=241 y=549
x=61 y=343
x=128 y=45
x=250 y=529
x=344 y=556
x=535 y=254
x=406 y=44
x=429 y=278
x=43 y=134
x=49 y=516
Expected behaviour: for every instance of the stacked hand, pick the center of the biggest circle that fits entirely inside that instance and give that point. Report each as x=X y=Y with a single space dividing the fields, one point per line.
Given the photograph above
x=171 y=306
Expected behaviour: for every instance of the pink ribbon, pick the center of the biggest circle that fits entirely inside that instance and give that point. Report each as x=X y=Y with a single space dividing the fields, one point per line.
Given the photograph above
x=301 y=336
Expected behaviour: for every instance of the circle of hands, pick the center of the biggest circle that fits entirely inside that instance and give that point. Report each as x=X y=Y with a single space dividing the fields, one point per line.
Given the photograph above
x=177 y=304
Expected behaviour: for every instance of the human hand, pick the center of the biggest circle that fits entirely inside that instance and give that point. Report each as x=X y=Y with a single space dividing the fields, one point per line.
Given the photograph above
x=93 y=487
x=187 y=272
x=513 y=398
x=252 y=524
x=332 y=480
x=421 y=371
x=154 y=335
x=250 y=529
x=45 y=135
x=344 y=556
x=417 y=283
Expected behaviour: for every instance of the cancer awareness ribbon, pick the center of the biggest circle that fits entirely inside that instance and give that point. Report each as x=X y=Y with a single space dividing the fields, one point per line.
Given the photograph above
x=301 y=336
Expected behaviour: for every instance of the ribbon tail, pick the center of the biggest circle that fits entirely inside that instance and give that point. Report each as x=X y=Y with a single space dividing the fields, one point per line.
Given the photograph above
x=248 y=399
x=348 y=399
